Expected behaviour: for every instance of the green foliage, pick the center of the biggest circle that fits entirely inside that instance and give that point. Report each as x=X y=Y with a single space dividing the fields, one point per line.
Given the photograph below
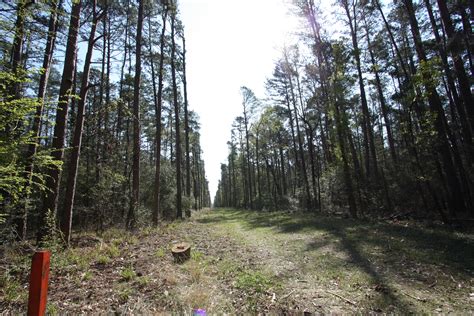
x=124 y=294
x=15 y=183
x=103 y=259
x=428 y=76
x=52 y=309
x=160 y=253
x=112 y=251
x=11 y=289
x=128 y=274
x=168 y=189
x=254 y=282
x=143 y=281
x=53 y=240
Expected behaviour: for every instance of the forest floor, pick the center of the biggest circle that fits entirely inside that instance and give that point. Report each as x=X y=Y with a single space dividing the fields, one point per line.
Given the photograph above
x=256 y=262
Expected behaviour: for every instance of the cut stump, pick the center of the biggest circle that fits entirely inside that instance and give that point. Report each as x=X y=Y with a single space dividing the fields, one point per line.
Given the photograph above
x=181 y=252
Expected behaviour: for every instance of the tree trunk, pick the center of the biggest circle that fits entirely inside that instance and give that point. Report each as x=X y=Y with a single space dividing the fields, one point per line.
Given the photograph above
x=122 y=72
x=453 y=47
x=73 y=164
x=186 y=130
x=135 y=201
x=16 y=57
x=383 y=103
x=346 y=169
x=179 y=210
x=107 y=38
x=468 y=33
x=369 y=145
x=36 y=128
x=455 y=197
x=158 y=104
x=309 y=200
x=247 y=150
x=309 y=135
x=302 y=165
x=460 y=107
x=392 y=38
x=50 y=201
x=293 y=138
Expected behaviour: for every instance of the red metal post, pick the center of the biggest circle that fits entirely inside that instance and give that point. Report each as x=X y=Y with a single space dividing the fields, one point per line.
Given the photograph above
x=38 y=293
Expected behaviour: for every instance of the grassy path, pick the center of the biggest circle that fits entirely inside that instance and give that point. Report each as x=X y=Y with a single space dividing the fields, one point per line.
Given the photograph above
x=250 y=262
x=337 y=265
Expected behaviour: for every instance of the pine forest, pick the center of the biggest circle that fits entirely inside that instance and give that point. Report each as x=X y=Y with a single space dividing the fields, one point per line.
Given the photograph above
x=347 y=184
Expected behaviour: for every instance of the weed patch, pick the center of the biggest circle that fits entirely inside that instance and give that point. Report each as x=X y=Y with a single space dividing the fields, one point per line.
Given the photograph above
x=160 y=253
x=11 y=290
x=128 y=274
x=254 y=282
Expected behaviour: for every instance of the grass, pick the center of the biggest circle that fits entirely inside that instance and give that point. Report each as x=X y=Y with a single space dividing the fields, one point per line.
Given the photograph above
x=198 y=298
x=195 y=271
x=160 y=253
x=103 y=260
x=51 y=309
x=124 y=293
x=260 y=262
x=197 y=255
x=11 y=289
x=87 y=275
x=128 y=274
x=254 y=282
x=112 y=251
x=228 y=268
x=143 y=281
x=388 y=267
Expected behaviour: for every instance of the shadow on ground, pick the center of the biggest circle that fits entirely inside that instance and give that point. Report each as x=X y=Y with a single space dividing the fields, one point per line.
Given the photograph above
x=401 y=249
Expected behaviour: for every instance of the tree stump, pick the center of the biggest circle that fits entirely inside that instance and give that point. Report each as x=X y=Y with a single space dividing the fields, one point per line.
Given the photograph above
x=181 y=252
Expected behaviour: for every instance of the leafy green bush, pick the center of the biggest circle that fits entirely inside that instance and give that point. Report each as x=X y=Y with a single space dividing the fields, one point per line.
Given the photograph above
x=15 y=137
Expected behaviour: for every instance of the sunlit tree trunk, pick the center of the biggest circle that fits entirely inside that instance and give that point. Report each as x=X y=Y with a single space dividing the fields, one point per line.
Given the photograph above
x=73 y=163
x=50 y=201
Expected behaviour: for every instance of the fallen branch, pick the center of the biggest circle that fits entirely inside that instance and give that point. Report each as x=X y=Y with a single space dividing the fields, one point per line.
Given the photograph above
x=414 y=297
x=342 y=298
x=287 y=295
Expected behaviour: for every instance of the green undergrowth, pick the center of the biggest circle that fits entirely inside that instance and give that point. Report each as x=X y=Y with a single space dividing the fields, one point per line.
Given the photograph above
x=86 y=250
x=255 y=282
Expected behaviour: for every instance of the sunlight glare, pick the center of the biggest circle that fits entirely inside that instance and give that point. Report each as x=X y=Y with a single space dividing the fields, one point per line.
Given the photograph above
x=230 y=44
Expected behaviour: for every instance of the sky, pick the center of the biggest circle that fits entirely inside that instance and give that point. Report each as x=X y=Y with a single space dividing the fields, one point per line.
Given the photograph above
x=229 y=44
